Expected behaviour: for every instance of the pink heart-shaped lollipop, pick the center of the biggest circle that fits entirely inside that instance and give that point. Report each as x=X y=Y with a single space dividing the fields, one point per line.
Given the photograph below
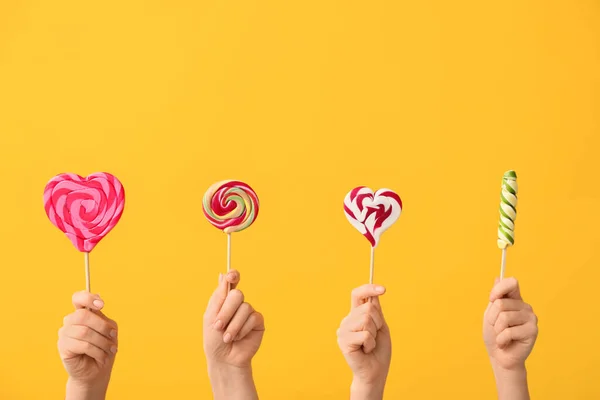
x=85 y=209
x=372 y=213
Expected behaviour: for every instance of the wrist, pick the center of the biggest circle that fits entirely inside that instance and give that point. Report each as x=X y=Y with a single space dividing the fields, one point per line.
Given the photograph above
x=361 y=390
x=84 y=391
x=511 y=382
x=232 y=382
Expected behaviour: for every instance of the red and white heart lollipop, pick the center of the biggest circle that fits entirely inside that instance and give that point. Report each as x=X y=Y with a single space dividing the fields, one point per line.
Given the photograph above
x=372 y=213
x=84 y=209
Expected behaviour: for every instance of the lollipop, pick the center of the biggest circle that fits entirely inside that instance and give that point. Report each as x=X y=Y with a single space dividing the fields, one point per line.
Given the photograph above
x=230 y=206
x=84 y=209
x=508 y=215
x=372 y=214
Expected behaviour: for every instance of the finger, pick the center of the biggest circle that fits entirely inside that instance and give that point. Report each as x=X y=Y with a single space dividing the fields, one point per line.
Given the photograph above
x=86 y=334
x=362 y=322
x=362 y=293
x=508 y=288
x=521 y=333
x=507 y=319
x=255 y=322
x=377 y=303
x=70 y=348
x=233 y=277
x=354 y=341
x=85 y=299
x=368 y=310
x=93 y=321
x=501 y=305
x=234 y=300
x=238 y=320
x=220 y=294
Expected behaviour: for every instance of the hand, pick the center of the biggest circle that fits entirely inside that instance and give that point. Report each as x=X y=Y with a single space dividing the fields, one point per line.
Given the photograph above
x=233 y=332
x=364 y=339
x=87 y=343
x=509 y=332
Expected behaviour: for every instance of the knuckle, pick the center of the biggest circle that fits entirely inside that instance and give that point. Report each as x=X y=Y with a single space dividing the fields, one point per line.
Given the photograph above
x=82 y=332
x=80 y=316
x=246 y=307
x=500 y=304
x=369 y=307
x=366 y=321
x=237 y=294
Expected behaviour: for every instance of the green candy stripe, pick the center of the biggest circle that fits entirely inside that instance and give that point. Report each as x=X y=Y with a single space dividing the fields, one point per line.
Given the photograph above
x=506 y=234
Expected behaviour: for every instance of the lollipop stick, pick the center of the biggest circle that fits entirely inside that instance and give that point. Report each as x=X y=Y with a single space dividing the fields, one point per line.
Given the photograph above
x=372 y=265
x=503 y=266
x=87 y=271
x=228 y=257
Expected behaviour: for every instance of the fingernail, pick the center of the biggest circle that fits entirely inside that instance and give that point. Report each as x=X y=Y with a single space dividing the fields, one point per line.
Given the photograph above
x=220 y=277
x=113 y=349
x=98 y=303
x=218 y=325
x=380 y=289
x=113 y=334
x=227 y=337
x=231 y=276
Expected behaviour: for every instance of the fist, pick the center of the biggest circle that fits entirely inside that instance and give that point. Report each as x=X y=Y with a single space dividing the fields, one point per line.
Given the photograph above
x=509 y=326
x=364 y=337
x=233 y=330
x=87 y=342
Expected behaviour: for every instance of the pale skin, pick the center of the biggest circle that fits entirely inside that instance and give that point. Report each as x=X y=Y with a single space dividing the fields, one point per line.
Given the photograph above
x=87 y=344
x=233 y=332
x=509 y=332
x=364 y=339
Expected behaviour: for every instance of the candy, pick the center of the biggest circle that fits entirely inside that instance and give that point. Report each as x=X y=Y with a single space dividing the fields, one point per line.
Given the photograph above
x=372 y=213
x=231 y=206
x=508 y=210
x=85 y=209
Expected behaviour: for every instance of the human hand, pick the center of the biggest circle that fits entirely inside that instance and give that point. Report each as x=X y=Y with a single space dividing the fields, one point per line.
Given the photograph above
x=365 y=341
x=509 y=332
x=233 y=332
x=87 y=344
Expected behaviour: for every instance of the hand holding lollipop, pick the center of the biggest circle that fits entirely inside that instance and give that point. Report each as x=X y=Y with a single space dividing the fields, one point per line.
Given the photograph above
x=230 y=206
x=84 y=209
x=372 y=214
x=508 y=215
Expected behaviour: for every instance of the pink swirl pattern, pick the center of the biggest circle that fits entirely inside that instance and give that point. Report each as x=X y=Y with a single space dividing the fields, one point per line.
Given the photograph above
x=84 y=209
x=372 y=213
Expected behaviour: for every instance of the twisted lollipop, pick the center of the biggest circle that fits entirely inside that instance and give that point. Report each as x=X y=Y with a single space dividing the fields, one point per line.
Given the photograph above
x=508 y=215
x=230 y=206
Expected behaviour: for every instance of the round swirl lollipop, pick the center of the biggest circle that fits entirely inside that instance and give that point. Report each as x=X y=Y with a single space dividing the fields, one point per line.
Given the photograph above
x=84 y=209
x=230 y=206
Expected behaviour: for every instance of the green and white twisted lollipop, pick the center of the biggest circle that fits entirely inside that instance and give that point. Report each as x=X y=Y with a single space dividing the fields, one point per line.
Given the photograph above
x=508 y=210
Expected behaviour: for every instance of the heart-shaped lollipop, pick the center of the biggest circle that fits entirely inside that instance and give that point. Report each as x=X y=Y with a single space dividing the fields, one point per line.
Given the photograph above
x=85 y=209
x=372 y=213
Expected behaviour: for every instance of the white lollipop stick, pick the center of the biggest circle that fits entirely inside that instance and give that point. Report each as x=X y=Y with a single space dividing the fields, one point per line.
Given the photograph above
x=87 y=272
x=372 y=265
x=503 y=266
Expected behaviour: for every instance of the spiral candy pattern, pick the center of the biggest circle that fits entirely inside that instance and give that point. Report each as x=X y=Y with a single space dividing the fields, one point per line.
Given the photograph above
x=508 y=210
x=231 y=206
x=85 y=209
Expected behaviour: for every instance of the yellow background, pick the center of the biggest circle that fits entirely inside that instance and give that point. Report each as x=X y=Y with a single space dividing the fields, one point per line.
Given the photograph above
x=304 y=100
